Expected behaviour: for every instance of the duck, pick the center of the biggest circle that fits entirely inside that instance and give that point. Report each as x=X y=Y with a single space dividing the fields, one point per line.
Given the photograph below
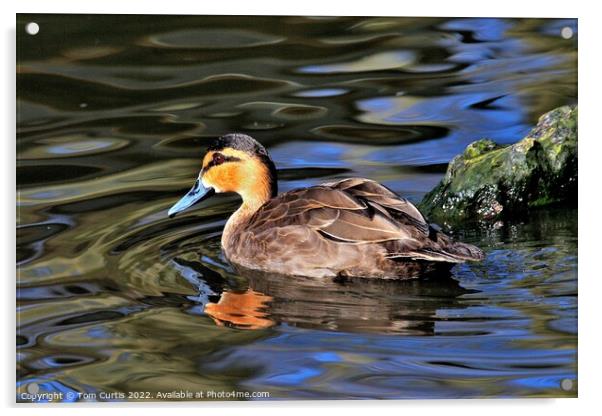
x=352 y=227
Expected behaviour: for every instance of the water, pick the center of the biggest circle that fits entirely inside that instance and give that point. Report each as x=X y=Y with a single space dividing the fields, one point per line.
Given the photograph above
x=114 y=297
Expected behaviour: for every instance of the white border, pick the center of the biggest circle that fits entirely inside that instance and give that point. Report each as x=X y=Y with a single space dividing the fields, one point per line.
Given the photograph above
x=590 y=139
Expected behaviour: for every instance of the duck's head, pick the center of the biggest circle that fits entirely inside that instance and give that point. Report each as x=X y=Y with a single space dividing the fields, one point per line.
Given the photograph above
x=233 y=163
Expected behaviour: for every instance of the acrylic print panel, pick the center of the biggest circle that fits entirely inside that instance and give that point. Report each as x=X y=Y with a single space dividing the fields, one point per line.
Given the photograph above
x=344 y=291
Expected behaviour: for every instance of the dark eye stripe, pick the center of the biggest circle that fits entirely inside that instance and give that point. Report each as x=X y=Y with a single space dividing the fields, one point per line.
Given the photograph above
x=214 y=162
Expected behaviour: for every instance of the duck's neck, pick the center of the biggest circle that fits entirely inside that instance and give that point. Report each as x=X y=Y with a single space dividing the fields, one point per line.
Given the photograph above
x=239 y=219
x=263 y=189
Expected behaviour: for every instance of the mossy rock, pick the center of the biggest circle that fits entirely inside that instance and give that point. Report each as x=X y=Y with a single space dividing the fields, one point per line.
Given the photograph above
x=489 y=181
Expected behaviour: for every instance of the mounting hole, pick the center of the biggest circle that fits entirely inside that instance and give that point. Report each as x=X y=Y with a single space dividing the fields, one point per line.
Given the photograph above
x=32 y=28
x=33 y=388
x=566 y=384
x=566 y=32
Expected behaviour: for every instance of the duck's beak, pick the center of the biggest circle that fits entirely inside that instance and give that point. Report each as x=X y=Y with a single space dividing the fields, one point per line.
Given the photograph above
x=196 y=194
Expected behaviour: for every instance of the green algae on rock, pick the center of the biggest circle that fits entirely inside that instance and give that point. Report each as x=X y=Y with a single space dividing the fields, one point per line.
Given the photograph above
x=489 y=181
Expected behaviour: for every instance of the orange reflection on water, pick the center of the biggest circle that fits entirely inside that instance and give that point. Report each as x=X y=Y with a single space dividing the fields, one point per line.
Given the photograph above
x=246 y=310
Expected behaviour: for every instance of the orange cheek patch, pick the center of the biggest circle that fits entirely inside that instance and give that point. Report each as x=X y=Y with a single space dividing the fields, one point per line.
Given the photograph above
x=225 y=178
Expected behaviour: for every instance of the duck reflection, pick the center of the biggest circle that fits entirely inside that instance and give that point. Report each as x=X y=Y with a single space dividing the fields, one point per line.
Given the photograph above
x=262 y=300
x=245 y=310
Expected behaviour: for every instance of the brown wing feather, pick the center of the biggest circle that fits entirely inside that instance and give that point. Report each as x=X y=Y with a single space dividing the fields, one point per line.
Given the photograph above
x=399 y=208
x=361 y=211
x=354 y=211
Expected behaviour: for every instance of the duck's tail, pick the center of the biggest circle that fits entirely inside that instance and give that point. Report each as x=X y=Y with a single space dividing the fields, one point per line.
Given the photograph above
x=438 y=247
x=464 y=252
x=451 y=252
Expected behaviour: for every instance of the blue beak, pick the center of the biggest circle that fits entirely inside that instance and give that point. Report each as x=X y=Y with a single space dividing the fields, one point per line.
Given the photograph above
x=195 y=195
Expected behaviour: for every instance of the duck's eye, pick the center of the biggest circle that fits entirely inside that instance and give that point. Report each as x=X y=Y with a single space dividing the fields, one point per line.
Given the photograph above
x=218 y=159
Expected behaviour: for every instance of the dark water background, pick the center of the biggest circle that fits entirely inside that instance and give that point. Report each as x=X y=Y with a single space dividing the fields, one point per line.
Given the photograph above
x=113 y=115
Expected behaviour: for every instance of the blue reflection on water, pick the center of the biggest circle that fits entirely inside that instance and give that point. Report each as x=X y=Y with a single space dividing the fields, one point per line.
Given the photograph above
x=295 y=378
x=322 y=92
x=327 y=356
x=487 y=29
x=538 y=382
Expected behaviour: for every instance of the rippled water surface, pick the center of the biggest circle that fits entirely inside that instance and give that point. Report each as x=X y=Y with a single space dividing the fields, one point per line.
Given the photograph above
x=114 y=113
